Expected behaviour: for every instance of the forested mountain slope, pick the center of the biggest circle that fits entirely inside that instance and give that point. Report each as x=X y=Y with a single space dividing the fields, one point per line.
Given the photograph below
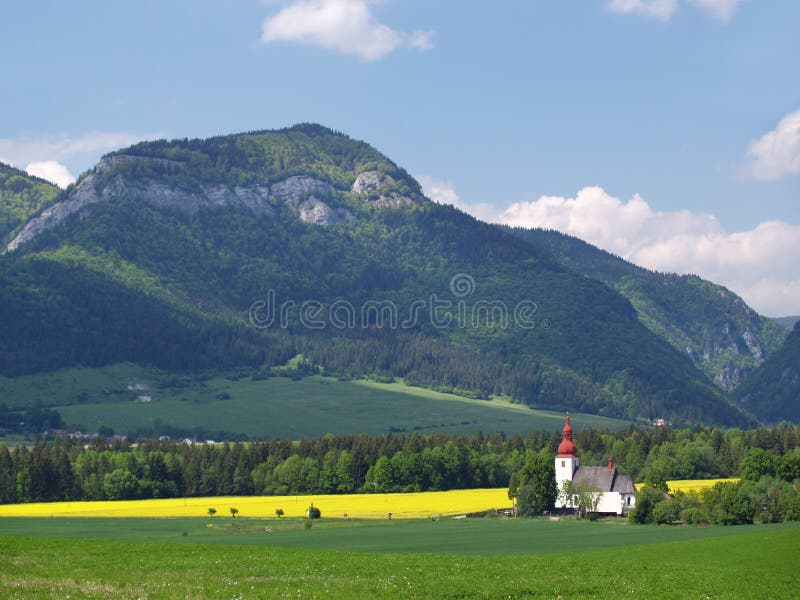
x=20 y=197
x=723 y=336
x=773 y=391
x=178 y=254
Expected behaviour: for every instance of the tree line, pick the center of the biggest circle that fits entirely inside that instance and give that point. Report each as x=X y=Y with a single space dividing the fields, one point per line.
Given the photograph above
x=66 y=469
x=768 y=492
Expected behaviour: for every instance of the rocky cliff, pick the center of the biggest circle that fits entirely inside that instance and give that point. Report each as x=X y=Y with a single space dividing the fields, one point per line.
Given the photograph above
x=302 y=195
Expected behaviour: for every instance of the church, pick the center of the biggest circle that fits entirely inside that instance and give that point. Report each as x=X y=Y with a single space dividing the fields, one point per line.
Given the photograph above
x=613 y=492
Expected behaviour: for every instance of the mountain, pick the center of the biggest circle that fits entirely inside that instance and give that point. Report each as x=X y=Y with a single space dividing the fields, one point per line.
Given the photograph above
x=714 y=327
x=245 y=250
x=787 y=323
x=20 y=197
x=773 y=391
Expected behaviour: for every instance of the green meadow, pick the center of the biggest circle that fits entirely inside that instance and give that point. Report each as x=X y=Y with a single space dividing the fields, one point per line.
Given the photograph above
x=481 y=558
x=447 y=536
x=89 y=399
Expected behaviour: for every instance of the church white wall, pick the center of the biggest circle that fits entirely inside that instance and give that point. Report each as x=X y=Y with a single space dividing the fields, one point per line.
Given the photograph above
x=614 y=502
x=565 y=469
x=610 y=502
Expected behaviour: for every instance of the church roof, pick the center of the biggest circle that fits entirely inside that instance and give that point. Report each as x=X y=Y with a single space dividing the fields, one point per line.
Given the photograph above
x=604 y=479
x=567 y=449
x=623 y=484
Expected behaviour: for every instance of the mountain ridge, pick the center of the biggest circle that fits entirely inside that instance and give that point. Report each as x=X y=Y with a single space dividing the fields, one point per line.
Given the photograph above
x=158 y=171
x=196 y=271
x=787 y=322
x=723 y=336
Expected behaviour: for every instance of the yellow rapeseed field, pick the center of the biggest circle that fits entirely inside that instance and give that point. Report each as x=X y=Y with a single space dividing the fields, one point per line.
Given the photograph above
x=690 y=485
x=360 y=506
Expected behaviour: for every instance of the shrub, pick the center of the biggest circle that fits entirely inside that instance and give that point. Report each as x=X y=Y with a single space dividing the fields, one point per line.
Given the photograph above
x=666 y=512
x=527 y=502
x=646 y=501
x=791 y=507
x=765 y=495
x=693 y=515
x=313 y=512
x=730 y=503
x=756 y=464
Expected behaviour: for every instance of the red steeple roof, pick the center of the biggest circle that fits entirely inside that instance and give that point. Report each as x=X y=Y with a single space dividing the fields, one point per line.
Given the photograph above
x=567 y=449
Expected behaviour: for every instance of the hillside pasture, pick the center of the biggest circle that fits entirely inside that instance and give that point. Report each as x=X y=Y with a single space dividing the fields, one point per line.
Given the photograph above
x=128 y=398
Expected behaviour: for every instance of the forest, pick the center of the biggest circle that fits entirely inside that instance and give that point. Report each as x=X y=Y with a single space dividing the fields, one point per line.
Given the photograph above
x=722 y=336
x=20 y=197
x=64 y=469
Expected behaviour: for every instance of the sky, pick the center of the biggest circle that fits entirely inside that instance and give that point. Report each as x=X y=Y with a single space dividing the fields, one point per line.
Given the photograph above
x=665 y=131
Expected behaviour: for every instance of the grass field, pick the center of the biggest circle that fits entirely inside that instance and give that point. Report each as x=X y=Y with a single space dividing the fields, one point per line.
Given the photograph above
x=483 y=558
x=91 y=398
x=468 y=537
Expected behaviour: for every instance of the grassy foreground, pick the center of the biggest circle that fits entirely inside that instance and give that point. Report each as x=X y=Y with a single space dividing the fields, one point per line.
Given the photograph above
x=755 y=562
x=465 y=537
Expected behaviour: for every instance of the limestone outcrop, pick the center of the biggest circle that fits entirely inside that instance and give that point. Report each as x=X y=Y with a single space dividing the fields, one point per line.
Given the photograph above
x=108 y=182
x=369 y=183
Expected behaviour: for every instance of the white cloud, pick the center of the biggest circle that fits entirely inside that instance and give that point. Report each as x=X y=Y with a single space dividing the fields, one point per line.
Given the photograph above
x=347 y=26
x=22 y=151
x=776 y=154
x=761 y=264
x=81 y=152
x=421 y=39
x=659 y=9
x=444 y=192
x=770 y=250
x=722 y=10
x=778 y=297
x=51 y=171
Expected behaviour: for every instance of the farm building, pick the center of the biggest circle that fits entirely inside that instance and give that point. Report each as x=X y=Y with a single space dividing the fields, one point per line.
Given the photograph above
x=612 y=492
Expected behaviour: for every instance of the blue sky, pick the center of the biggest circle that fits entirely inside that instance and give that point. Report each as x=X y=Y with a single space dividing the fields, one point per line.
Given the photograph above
x=667 y=131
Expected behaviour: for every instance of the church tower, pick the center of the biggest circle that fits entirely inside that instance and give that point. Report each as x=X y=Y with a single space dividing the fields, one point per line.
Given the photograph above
x=566 y=460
